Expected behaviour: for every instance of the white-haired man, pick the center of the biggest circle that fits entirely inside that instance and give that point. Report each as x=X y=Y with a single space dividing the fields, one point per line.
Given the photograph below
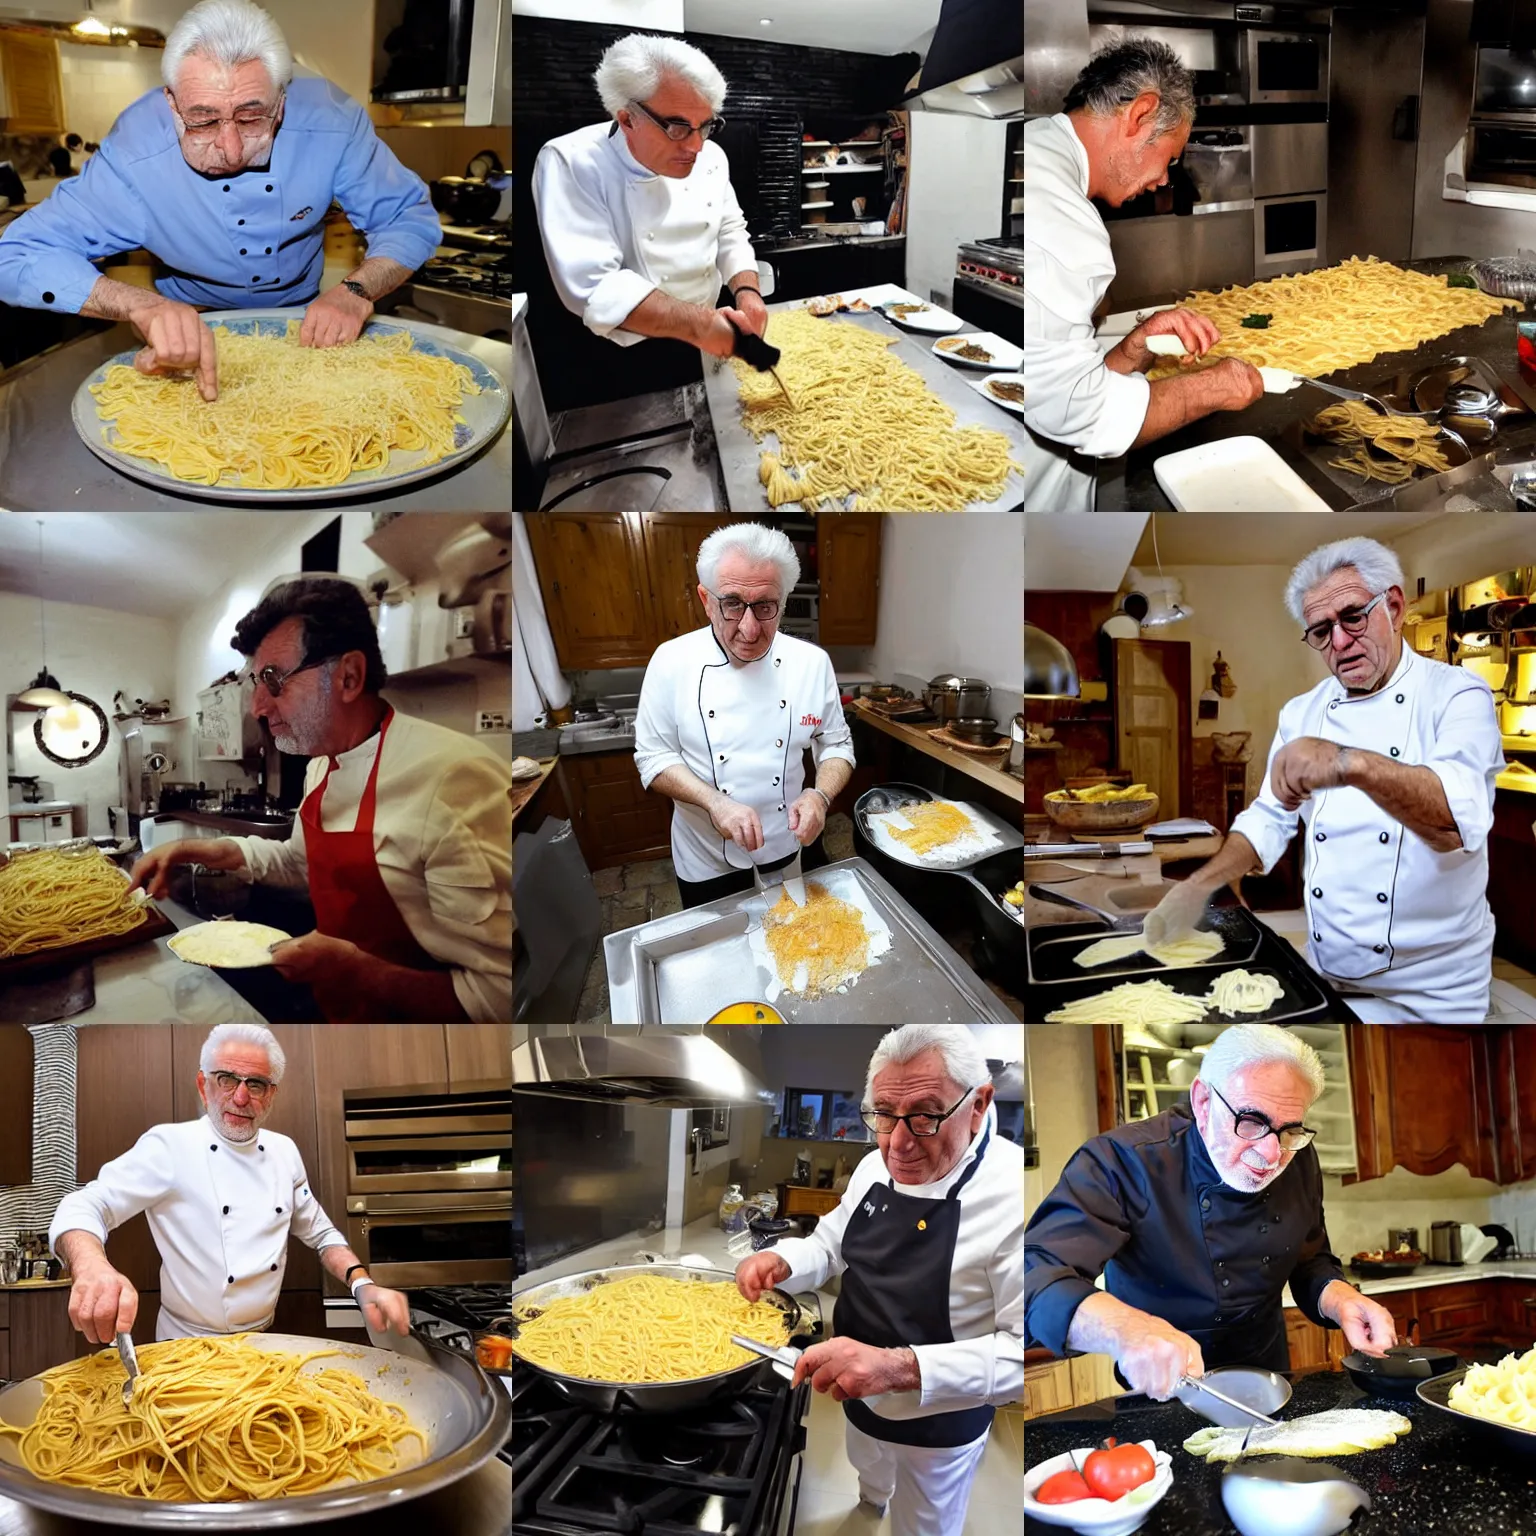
x=726 y=714
x=225 y=176
x=222 y=1196
x=929 y=1322
x=1124 y=121
x=640 y=225
x=1197 y=1219
x=1388 y=768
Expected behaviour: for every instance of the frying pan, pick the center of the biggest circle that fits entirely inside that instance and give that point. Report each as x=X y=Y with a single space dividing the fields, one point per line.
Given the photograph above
x=655 y=1396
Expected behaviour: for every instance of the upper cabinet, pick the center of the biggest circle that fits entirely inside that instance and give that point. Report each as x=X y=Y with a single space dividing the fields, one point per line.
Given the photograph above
x=672 y=541
x=848 y=556
x=33 y=95
x=17 y=1068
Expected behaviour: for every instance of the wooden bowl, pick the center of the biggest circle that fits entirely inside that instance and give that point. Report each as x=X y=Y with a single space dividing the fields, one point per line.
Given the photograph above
x=1101 y=815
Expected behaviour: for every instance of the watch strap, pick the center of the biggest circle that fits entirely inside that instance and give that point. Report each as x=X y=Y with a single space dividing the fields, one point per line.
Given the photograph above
x=356 y=288
x=347 y=1274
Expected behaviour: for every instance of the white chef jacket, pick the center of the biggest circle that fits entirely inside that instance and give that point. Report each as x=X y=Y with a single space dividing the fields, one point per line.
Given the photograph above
x=985 y=1364
x=220 y=1214
x=1385 y=912
x=1075 y=408
x=614 y=231
x=742 y=729
x=442 y=835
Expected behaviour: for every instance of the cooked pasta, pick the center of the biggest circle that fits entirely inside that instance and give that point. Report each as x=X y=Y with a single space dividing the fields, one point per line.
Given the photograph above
x=1505 y=1393
x=1410 y=440
x=1244 y=992
x=864 y=431
x=1336 y=316
x=1192 y=949
x=817 y=947
x=1132 y=1002
x=647 y=1328
x=289 y=416
x=212 y=1421
x=50 y=897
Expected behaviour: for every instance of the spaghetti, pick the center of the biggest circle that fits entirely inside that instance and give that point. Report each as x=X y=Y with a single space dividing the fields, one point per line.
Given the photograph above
x=1410 y=440
x=212 y=1421
x=817 y=947
x=54 y=896
x=864 y=431
x=289 y=416
x=647 y=1328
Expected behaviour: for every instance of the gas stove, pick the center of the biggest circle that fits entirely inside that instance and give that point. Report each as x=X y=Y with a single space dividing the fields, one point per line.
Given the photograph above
x=487 y=274
x=999 y=261
x=448 y=1311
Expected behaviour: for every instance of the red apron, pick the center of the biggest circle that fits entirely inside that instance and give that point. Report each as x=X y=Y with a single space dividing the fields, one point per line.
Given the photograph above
x=350 y=898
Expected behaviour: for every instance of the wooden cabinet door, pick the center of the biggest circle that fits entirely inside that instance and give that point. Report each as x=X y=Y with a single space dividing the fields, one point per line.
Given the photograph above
x=1047 y=1388
x=1153 y=719
x=848 y=563
x=1512 y=1054
x=34 y=86
x=478 y=1053
x=616 y=821
x=1308 y=1343
x=41 y=1332
x=1459 y=1314
x=672 y=541
x=592 y=573
x=1517 y=1311
x=18 y=1068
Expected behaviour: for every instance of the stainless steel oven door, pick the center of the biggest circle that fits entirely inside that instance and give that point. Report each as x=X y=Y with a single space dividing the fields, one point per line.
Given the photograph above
x=1502 y=153
x=398 y=1165
x=416 y=1240
x=1285 y=67
x=1290 y=234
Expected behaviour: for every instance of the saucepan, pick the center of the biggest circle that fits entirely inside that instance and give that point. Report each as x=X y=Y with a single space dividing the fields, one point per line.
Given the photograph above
x=658 y=1396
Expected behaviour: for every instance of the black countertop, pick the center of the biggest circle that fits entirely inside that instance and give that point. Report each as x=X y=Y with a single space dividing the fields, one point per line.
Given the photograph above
x=1438 y=1480
x=1272 y=416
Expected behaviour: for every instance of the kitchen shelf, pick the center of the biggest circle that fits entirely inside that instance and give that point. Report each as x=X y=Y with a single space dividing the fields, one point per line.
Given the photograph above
x=456 y=668
x=409 y=543
x=827 y=204
x=838 y=170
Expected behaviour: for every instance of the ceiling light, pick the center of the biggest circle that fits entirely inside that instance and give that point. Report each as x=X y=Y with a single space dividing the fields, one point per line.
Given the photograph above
x=1049 y=671
x=765 y=22
x=44 y=692
x=89 y=26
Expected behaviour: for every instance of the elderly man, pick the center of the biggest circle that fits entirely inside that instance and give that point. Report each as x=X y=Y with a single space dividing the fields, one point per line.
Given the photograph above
x=726 y=714
x=1127 y=117
x=225 y=176
x=1388 y=766
x=929 y=1323
x=639 y=222
x=1197 y=1218
x=222 y=1196
x=404 y=836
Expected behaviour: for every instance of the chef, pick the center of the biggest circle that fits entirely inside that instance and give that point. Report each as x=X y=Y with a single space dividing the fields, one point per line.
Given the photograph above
x=404 y=837
x=226 y=177
x=222 y=1196
x=639 y=221
x=1197 y=1218
x=929 y=1321
x=1388 y=767
x=1126 y=118
x=725 y=716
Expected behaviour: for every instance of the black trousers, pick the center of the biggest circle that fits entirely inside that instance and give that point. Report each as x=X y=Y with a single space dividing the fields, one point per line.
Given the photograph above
x=696 y=893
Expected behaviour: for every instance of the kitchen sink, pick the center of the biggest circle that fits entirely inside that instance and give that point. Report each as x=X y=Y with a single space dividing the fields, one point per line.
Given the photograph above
x=576 y=739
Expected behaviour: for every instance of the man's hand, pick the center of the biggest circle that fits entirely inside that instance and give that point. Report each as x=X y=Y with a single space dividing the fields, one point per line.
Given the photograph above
x=846 y=1368
x=737 y=822
x=1303 y=766
x=1238 y=384
x=384 y=1308
x=177 y=342
x=102 y=1303
x=335 y=318
x=152 y=871
x=753 y=312
x=1367 y=1324
x=807 y=816
x=1176 y=914
x=1197 y=333
x=717 y=338
x=760 y=1273
x=1153 y=1355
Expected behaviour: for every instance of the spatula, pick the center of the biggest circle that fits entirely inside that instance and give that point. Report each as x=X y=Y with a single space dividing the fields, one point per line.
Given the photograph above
x=401 y=1344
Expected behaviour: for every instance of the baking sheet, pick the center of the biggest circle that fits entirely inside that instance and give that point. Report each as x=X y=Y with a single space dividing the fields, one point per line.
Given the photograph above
x=1301 y=1001
x=1053 y=951
x=985 y=837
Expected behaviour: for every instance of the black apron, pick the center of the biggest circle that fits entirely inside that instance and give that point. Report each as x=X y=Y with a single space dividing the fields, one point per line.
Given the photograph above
x=900 y=1253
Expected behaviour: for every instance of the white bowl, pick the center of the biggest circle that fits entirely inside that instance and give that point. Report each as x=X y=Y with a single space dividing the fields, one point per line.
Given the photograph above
x=1101 y=1517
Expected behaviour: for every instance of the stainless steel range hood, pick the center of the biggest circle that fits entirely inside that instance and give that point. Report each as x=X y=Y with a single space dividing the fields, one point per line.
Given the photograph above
x=975 y=64
x=671 y=1071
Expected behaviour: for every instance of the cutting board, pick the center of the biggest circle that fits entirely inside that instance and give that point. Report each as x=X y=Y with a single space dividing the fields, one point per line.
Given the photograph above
x=155 y=926
x=525 y=789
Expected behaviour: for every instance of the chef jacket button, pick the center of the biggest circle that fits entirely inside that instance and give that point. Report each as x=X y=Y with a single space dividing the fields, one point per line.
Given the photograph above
x=1383 y=837
x=1265 y=1259
x=775 y=783
x=259 y=1147
x=1396 y=753
x=1334 y=705
x=269 y=250
x=782 y=703
x=239 y=221
x=1220 y=1264
x=242 y=250
x=1263 y=1230
x=779 y=742
x=1320 y=837
x=1317 y=892
x=279 y=1210
x=269 y=186
x=781 y=807
x=1205 y=1205
x=226 y=187
x=226 y=1210
x=711 y=714
x=47 y=298
x=722 y=757
x=274 y=1266
x=1226 y=1282
x=1381 y=895
x=777 y=661
x=1380 y=949
x=1399 y=698
x=1318 y=937
x=231 y=1279
x=213 y=1146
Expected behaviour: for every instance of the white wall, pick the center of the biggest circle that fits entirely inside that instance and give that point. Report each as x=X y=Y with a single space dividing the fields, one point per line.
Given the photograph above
x=954 y=191
x=1063 y=1086
x=100 y=82
x=642 y=15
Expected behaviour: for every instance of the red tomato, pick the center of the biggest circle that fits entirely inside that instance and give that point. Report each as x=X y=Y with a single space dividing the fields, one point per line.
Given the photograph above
x=1114 y=1470
x=1064 y=1487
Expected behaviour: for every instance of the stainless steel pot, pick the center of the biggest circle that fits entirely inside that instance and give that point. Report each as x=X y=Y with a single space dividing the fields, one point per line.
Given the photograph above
x=980 y=730
x=951 y=696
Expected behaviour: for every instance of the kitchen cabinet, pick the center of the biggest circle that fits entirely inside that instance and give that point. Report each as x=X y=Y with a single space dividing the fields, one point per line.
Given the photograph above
x=17 y=1071
x=1153 y=718
x=802 y=1200
x=848 y=566
x=34 y=86
x=47 y=827
x=672 y=541
x=1513 y=1054
x=41 y=1332
x=616 y=821
x=1055 y=1384
x=1511 y=850
x=595 y=582
x=1313 y=1348
x=478 y=1053
x=1459 y=1315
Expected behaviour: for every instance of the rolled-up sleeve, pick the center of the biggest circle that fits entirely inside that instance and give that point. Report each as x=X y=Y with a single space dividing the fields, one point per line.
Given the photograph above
x=389 y=203
x=657 y=745
x=833 y=737
x=276 y=861
x=1265 y=822
x=735 y=252
x=1467 y=759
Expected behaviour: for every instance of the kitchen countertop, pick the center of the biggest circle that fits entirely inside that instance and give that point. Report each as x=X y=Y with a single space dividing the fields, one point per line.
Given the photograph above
x=38 y=1285
x=983 y=769
x=1438 y=1480
x=231 y=823
x=45 y=466
x=1436 y=1274
x=524 y=790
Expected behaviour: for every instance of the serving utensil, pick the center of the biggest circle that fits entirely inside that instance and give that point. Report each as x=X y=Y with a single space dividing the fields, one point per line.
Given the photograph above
x=784 y=1359
x=125 y=1351
x=402 y=1344
x=1121 y=922
x=1199 y=1384
x=1358 y=394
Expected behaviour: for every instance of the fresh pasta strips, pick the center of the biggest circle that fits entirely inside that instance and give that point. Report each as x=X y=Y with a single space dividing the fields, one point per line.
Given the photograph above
x=50 y=897
x=212 y=1421
x=1505 y=1393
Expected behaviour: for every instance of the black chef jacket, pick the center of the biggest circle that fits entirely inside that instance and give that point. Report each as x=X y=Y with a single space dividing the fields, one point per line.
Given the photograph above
x=1144 y=1205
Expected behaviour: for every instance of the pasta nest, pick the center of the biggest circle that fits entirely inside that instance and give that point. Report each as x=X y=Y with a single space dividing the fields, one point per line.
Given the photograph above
x=818 y=947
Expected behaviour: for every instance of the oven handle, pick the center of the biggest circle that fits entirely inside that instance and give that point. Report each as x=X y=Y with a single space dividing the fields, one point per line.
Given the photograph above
x=377 y=1205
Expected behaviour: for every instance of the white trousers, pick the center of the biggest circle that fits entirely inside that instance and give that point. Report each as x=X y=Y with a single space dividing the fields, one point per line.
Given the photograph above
x=927 y=1488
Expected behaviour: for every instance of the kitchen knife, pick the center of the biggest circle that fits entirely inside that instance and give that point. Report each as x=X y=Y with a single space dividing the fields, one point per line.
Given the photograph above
x=125 y=1351
x=762 y=356
x=401 y=1344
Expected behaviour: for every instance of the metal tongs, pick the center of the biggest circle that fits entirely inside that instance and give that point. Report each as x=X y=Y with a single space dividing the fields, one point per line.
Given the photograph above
x=124 y=1342
x=784 y=1359
x=1221 y=1397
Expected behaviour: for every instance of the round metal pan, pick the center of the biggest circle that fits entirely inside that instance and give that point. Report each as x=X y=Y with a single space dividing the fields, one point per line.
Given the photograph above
x=1436 y=1393
x=891 y=797
x=654 y=1396
x=465 y=1416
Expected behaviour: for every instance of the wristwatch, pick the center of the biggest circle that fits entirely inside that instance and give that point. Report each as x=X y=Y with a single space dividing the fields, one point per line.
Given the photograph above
x=356 y=288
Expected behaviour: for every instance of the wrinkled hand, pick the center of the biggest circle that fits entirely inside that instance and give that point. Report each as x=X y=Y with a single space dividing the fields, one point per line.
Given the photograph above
x=1153 y=1355
x=760 y=1273
x=178 y=342
x=1239 y=384
x=737 y=822
x=807 y=816
x=846 y=1368
x=1303 y=766
x=102 y=1303
x=1367 y=1324
x=1176 y=914
x=753 y=312
x=315 y=958
x=384 y=1308
x=335 y=318
x=1197 y=333
x=152 y=871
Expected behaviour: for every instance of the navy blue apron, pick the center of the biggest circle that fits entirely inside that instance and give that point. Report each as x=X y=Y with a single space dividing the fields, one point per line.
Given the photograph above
x=900 y=1253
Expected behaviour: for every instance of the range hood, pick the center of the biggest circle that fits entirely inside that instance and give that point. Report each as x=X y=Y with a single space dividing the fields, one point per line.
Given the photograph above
x=975 y=64
x=670 y=1071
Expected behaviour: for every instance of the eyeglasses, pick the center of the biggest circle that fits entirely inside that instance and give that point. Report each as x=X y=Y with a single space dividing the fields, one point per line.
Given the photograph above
x=274 y=679
x=679 y=128
x=248 y=121
x=229 y=1082
x=1352 y=621
x=920 y=1124
x=732 y=608
x=1250 y=1125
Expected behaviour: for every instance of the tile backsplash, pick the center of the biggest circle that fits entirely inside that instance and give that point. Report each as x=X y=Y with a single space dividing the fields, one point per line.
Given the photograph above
x=30 y=1207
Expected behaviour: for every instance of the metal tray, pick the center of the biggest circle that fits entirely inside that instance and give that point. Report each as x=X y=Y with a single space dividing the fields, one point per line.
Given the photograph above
x=891 y=797
x=685 y=968
x=1302 y=1002
x=1053 y=950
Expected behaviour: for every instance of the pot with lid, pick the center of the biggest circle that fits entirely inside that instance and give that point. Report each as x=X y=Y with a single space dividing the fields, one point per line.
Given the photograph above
x=951 y=696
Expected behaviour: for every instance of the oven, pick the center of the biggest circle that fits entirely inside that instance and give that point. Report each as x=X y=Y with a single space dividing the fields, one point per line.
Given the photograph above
x=1503 y=153
x=418 y=1240
x=1290 y=234
x=1284 y=68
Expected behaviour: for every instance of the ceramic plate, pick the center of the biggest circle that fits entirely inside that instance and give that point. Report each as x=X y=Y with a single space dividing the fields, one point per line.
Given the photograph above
x=929 y=318
x=1000 y=353
x=983 y=387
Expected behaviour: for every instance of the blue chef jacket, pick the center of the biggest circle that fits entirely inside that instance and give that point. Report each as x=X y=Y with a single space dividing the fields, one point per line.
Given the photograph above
x=247 y=241
x=1144 y=1205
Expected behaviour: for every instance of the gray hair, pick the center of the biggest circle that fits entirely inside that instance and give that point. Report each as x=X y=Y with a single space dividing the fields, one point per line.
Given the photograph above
x=1242 y=1046
x=243 y=1034
x=757 y=544
x=633 y=68
x=230 y=33
x=964 y=1063
x=1379 y=569
x=1117 y=75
